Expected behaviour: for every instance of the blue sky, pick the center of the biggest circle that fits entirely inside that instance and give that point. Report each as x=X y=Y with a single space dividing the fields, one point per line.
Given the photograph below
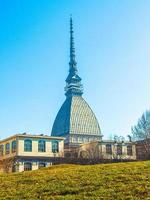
x=112 y=41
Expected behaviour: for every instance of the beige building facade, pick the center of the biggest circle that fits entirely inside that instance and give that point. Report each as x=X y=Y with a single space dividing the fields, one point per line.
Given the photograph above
x=24 y=152
x=104 y=150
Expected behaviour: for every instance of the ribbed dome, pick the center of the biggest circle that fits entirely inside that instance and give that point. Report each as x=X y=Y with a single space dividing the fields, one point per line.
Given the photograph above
x=75 y=117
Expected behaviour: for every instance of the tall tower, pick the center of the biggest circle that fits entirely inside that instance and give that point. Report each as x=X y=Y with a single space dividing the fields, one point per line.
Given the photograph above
x=75 y=120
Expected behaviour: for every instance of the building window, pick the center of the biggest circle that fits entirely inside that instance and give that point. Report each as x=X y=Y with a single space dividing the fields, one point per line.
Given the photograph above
x=27 y=166
x=75 y=138
x=41 y=165
x=86 y=139
x=1 y=150
x=55 y=146
x=14 y=146
x=7 y=148
x=80 y=139
x=108 y=149
x=119 y=149
x=129 y=150
x=41 y=146
x=28 y=145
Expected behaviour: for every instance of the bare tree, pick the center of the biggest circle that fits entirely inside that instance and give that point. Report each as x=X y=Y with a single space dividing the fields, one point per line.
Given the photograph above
x=90 y=151
x=141 y=131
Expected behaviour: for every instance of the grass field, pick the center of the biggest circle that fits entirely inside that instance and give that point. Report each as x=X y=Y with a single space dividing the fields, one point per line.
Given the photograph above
x=103 y=181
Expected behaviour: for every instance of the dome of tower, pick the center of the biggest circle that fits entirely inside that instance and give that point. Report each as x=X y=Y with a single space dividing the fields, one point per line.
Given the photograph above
x=77 y=118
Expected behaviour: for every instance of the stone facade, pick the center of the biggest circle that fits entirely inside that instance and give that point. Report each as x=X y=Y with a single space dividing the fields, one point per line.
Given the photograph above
x=29 y=152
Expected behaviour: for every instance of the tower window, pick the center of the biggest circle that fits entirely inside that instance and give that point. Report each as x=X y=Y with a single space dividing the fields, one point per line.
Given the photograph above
x=28 y=145
x=80 y=139
x=41 y=146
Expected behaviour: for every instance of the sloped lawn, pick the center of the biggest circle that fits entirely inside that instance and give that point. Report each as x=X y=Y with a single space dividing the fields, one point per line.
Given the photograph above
x=102 y=181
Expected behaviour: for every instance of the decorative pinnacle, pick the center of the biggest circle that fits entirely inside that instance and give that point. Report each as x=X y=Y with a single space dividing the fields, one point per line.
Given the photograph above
x=72 y=62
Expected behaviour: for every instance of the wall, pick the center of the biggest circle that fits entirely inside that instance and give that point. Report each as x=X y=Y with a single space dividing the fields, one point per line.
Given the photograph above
x=114 y=151
x=47 y=153
x=98 y=150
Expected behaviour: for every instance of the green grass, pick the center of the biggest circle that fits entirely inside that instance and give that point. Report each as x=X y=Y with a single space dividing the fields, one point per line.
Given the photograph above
x=103 y=181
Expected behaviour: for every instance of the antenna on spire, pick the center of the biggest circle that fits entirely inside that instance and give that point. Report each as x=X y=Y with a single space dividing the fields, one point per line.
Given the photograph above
x=72 y=62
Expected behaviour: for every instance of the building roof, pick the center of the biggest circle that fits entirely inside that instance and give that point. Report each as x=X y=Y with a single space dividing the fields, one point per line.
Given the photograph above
x=27 y=135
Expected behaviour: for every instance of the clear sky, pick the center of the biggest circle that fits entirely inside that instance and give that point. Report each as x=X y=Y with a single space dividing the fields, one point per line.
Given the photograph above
x=112 y=41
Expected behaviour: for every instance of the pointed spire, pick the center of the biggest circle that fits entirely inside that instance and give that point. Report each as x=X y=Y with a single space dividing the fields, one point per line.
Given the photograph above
x=72 y=62
x=73 y=81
